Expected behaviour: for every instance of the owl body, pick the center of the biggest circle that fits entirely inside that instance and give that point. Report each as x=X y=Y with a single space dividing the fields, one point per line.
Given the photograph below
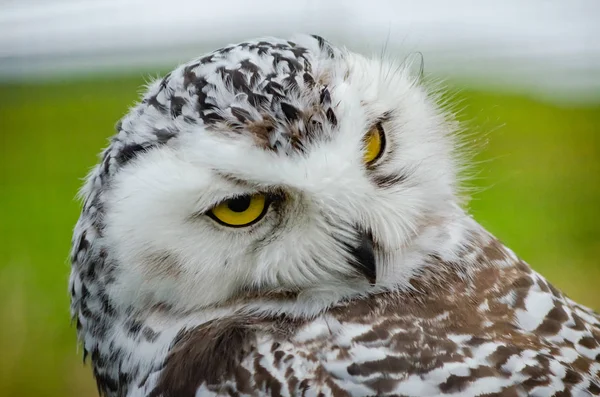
x=283 y=218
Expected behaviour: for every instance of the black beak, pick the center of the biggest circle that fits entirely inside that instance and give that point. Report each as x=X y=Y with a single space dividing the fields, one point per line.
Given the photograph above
x=364 y=256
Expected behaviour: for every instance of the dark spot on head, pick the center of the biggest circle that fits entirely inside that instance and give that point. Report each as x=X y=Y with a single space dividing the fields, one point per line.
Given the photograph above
x=290 y=82
x=257 y=100
x=106 y=384
x=83 y=244
x=106 y=163
x=165 y=81
x=325 y=97
x=226 y=50
x=211 y=117
x=275 y=89
x=153 y=101
x=262 y=50
x=177 y=103
x=290 y=112
x=107 y=306
x=133 y=327
x=79 y=326
x=207 y=59
x=129 y=152
x=242 y=115
x=299 y=52
x=331 y=116
x=238 y=80
x=164 y=135
x=246 y=64
x=308 y=80
x=149 y=334
x=294 y=65
x=324 y=45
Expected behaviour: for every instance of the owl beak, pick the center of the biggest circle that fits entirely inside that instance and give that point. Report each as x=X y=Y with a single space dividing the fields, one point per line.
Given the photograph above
x=364 y=256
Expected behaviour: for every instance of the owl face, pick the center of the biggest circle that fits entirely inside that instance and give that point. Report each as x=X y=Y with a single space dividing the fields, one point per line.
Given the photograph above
x=270 y=167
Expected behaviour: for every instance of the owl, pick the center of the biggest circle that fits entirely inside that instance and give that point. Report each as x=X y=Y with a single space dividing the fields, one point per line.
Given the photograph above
x=284 y=218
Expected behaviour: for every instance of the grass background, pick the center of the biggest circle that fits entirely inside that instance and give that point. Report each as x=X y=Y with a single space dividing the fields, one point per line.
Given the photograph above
x=537 y=190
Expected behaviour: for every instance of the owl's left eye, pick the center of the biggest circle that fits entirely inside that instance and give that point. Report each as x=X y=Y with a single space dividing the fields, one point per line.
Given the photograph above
x=240 y=211
x=374 y=144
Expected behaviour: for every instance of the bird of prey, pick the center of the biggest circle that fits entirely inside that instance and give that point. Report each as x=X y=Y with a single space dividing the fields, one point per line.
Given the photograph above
x=285 y=218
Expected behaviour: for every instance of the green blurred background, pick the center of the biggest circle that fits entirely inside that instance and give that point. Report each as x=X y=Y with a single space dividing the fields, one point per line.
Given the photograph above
x=536 y=188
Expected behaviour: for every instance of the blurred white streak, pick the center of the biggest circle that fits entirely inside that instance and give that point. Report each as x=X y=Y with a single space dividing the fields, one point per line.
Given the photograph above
x=541 y=46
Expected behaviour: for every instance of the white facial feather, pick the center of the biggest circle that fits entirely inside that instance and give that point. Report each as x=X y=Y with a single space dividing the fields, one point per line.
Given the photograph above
x=165 y=252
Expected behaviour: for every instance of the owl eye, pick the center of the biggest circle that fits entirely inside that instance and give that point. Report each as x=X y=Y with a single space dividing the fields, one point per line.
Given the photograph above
x=241 y=210
x=374 y=144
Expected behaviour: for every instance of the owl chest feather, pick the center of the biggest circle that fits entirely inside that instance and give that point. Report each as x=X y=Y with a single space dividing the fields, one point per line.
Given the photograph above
x=496 y=330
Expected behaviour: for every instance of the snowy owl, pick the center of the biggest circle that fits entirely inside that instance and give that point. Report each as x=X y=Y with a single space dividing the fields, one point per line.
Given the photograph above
x=283 y=217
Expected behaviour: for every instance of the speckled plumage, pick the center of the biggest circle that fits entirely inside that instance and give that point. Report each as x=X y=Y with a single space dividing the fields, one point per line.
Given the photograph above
x=168 y=303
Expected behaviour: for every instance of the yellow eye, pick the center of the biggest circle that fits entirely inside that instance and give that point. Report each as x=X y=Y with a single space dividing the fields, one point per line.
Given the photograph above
x=374 y=144
x=240 y=211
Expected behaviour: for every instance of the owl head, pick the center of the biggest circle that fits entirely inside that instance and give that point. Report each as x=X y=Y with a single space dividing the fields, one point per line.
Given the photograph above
x=264 y=168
